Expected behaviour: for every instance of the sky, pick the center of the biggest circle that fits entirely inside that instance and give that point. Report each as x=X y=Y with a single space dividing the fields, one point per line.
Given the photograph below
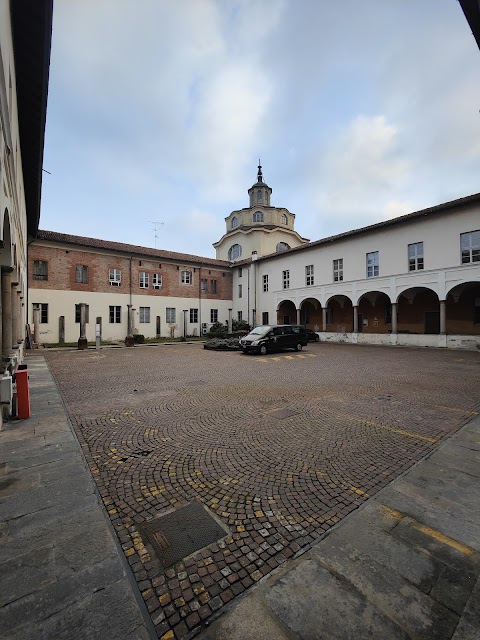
x=158 y=111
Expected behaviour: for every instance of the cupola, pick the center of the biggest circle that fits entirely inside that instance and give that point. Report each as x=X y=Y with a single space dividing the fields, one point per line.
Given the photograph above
x=259 y=192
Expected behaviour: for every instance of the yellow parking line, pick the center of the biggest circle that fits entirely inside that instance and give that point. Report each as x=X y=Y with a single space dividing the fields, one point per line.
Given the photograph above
x=276 y=359
x=289 y=357
x=433 y=533
x=300 y=356
x=310 y=355
x=470 y=413
x=359 y=491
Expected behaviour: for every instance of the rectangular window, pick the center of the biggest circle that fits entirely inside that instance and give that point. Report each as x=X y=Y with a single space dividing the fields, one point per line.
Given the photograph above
x=338 y=270
x=115 y=314
x=170 y=316
x=40 y=270
x=157 y=280
x=213 y=286
x=239 y=272
x=144 y=277
x=43 y=312
x=286 y=279
x=239 y=290
x=193 y=316
x=204 y=285
x=372 y=264
x=265 y=317
x=240 y=315
x=77 y=313
x=309 y=278
x=265 y=284
x=470 y=246
x=415 y=256
x=144 y=313
x=186 y=277
x=81 y=273
x=213 y=315
x=115 y=277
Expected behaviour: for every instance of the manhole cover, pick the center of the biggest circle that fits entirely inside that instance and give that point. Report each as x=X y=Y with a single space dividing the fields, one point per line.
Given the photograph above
x=182 y=532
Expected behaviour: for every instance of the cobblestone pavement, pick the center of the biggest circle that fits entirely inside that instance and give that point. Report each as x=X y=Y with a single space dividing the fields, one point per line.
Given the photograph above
x=279 y=448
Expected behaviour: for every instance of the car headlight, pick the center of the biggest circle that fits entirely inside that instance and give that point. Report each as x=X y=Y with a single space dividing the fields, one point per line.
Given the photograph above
x=255 y=343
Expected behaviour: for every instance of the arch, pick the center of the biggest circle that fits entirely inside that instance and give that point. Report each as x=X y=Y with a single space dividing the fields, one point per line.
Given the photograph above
x=374 y=312
x=259 y=195
x=234 y=252
x=6 y=249
x=339 y=314
x=462 y=308
x=418 y=311
x=311 y=313
x=286 y=312
x=282 y=246
x=284 y=219
x=258 y=216
x=234 y=222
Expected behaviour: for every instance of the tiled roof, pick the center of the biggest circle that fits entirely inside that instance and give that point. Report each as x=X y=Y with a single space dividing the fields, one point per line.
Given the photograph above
x=95 y=243
x=445 y=207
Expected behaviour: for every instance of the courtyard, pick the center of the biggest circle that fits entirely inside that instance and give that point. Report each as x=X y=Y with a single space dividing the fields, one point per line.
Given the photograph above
x=279 y=449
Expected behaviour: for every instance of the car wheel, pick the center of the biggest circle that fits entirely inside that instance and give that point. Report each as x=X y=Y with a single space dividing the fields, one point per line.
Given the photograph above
x=263 y=350
x=317 y=338
x=298 y=347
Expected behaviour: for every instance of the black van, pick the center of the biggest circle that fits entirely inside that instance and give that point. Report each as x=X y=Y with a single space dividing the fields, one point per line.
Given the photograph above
x=274 y=338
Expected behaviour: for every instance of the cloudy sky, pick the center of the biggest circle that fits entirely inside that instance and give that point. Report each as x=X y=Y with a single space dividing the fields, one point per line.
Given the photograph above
x=159 y=110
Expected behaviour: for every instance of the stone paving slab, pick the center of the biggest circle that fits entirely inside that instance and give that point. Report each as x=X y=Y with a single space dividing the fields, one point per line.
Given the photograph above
x=281 y=449
x=61 y=574
x=382 y=573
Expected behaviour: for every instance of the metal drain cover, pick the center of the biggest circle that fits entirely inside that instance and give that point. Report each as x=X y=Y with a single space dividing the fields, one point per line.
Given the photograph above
x=182 y=532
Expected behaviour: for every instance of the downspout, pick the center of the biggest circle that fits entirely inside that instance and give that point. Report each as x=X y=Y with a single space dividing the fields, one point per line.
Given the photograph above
x=200 y=300
x=248 y=296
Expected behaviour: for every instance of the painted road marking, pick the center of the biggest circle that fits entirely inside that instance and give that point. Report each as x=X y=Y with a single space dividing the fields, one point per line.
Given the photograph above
x=437 y=535
x=470 y=413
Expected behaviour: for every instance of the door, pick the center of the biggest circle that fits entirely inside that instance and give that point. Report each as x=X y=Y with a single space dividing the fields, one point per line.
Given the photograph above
x=432 y=322
x=158 y=326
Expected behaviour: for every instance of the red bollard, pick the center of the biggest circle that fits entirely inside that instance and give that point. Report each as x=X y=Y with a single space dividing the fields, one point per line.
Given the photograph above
x=23 y=394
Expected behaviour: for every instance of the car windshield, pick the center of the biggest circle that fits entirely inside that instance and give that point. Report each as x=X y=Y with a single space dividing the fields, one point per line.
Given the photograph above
x=259 y=331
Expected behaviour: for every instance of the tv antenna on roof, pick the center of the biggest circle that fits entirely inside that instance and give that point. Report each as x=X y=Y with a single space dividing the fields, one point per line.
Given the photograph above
x=156 y=226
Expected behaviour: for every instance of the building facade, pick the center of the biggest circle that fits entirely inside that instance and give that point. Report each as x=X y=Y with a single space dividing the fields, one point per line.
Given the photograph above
x=170 y=294
x=412 y=280
x=25 y=41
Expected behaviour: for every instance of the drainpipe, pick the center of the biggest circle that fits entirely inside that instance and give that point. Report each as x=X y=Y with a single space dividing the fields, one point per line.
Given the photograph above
x=129 y=342
x=200 y=300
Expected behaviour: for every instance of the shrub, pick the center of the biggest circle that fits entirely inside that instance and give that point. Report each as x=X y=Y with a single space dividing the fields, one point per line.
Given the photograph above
x=138 y=338
x=217 y=330
x=222 y=344
x=240 y=325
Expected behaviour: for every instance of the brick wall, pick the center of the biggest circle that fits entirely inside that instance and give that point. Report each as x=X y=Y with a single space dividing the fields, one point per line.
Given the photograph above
x=62 y=263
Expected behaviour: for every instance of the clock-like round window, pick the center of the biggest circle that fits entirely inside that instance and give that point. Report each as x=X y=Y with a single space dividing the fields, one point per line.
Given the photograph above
x=234 y=252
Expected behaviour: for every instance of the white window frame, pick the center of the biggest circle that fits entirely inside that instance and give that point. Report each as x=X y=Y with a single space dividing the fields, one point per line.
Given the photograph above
x=186 y=277
x=204 y=285
x=415 y=256
x=81 y=273
x=284 y=219
x=213 y=316
x=265 y=283
x=115 y=312
x=170 y=315
x=338 y=270
x=193 y=316
x=257 y=216
x=144 y=315
x=234 y=222
x=234 y=252
x=157 y=280
x=309 y=275
x=115 y=277
x=286 y=279
x=144 y=278
x=373 y=264
x=470 y=247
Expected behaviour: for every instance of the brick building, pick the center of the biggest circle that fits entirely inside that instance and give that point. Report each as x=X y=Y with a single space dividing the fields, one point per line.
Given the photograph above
x=412 y=280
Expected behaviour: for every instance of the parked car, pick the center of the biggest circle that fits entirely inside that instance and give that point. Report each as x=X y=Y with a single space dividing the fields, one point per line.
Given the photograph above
x=312 y=336
x=274 y=338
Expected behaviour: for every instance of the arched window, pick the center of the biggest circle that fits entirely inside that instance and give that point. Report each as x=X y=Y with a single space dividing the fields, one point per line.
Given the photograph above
x=234 y=222
x=284 y=219
x=258 y=216
x=282 y=246
x=234 y=252
x=259 y=195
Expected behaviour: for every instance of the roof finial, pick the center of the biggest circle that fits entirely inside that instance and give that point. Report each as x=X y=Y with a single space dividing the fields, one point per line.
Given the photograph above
x=259 y=174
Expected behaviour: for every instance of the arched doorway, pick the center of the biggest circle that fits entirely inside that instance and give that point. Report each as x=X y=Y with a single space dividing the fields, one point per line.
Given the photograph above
x=311 y=314
x=286 y=313
x=339 y=311
x=374 y=313
x=463 y=309
x=418 y=311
